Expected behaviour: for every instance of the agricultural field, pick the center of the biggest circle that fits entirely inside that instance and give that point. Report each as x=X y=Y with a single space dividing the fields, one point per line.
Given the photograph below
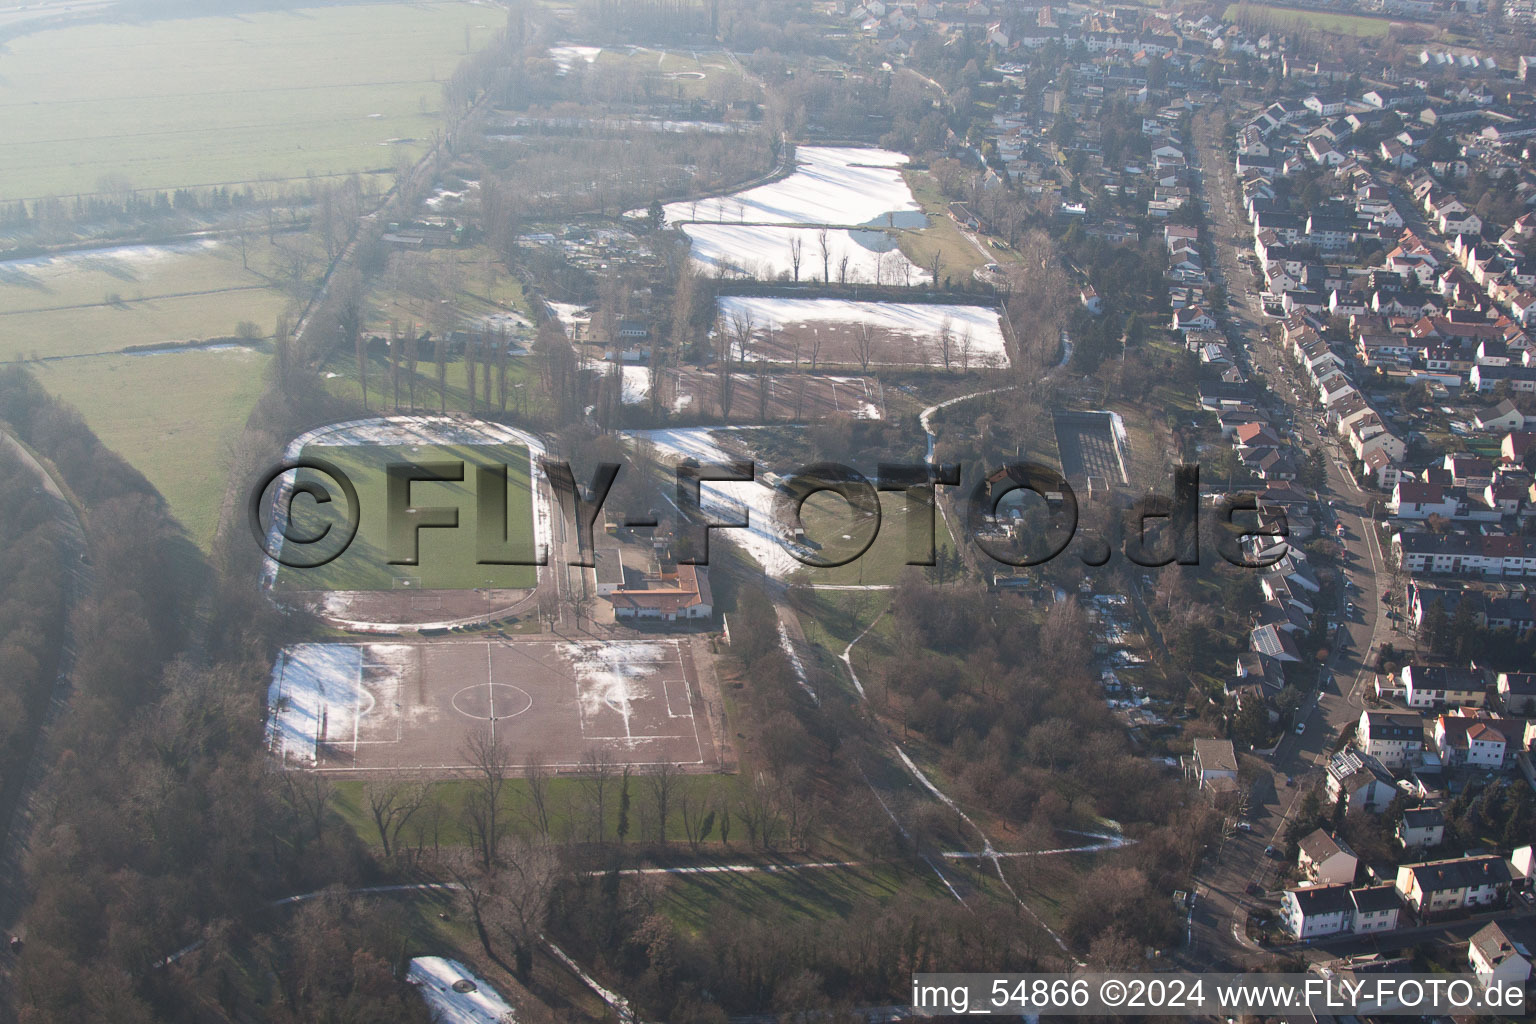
x=172 y=412
x=173 y=415
x=108 y=300
x=1325 y=21
x=270 y=96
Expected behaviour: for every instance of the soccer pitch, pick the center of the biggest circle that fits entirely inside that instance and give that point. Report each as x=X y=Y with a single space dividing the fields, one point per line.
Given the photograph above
x=446 y=557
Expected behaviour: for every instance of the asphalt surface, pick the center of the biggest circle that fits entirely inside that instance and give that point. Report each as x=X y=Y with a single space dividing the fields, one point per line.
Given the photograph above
x=1217 y=922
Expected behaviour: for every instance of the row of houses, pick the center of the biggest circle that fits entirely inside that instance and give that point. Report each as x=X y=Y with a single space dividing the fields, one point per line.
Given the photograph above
x=1432 y=890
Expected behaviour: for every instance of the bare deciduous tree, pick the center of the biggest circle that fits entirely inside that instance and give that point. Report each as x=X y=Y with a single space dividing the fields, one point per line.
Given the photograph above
x=519 y=904
x=538 y=792
x=661 y=781
x=489 y=765
x=864 y=344
x=392 y=802
x=596 y=780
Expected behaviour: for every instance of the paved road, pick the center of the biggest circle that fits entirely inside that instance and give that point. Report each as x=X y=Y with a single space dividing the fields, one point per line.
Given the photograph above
x=78 y=579
x=1222 y=902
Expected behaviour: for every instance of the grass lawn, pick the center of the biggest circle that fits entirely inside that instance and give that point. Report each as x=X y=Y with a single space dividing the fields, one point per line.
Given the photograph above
x=473 y=279
x=523 y=390
x=173 y=416
x=958 y=257
x=1325 y=21
x=107 y=300
x=284 y=94
x=446 y=556
x=685 y=75
x=691 y=901
x=570 y=818
x=828 y=519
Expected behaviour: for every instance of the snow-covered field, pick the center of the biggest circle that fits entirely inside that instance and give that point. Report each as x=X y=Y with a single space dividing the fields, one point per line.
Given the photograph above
x=763 y=251
x=906 y=329
x=435 y=978
x=751 y=231
x=829 y=186
x=316 y=693
x=728 y=501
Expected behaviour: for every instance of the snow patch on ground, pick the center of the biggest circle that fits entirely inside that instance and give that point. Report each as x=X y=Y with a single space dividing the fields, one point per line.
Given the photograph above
x=607 y=675
x=316 y=694
x=788 y=647
x=117 y=257
x=637 y=385
x=728 y=501
x=565 y=57
x=435 y=977
x=442 y=197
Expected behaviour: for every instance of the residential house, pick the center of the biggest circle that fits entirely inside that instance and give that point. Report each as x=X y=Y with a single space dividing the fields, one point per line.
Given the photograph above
x=1327 y=859
x=1438 y=686
x=1517 y=693
x=1440 y=887
x=1215 y=764
x=1421 y=828
x=1393 y=738
x=1316 y=911
x=1361 y=779
x=1376 y=909
x=1478 y=741
x=1497 y=957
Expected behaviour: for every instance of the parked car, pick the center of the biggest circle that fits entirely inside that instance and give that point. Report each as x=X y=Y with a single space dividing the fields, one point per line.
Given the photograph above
x=1273 y=852
x=1245 y=826
x=1301 y=729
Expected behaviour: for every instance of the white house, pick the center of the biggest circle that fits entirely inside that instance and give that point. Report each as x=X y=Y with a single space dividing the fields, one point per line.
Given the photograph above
x=1498 y=958
x=1438 y=686
x=1376 y=909
x=1316 y=911
x=1365 y=780
x=1215 y=764
x=683 y=593
x=1443 y=886
x=1394 y=739
x=1421 y=828
x=1327 y=859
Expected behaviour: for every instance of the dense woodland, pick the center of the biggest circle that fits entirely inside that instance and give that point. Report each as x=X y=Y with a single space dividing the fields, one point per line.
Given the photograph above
x=34 y=564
